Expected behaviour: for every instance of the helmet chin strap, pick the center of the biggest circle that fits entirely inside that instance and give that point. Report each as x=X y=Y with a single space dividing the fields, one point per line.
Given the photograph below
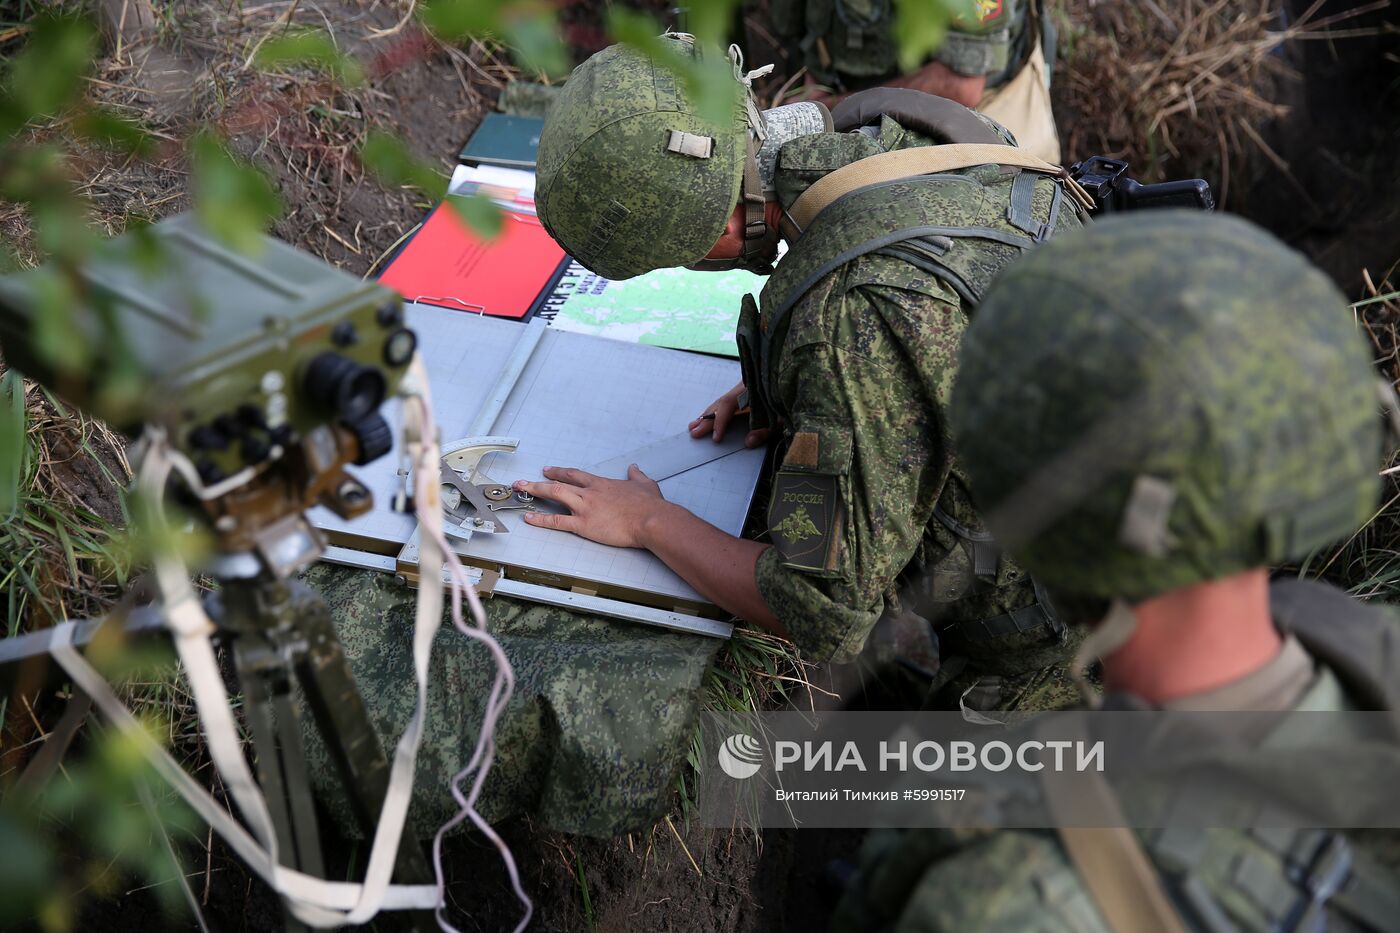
x=760 y=245
x=1112 y=633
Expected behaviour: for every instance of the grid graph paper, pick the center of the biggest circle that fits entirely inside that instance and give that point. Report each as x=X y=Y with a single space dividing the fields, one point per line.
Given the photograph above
x=580 y=400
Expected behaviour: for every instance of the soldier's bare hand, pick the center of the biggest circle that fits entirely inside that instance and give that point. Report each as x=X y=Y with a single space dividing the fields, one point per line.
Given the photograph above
x=717 y=416
x=609 y=511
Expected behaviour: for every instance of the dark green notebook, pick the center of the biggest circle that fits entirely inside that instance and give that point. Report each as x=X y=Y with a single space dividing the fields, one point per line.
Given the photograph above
x=504 y=140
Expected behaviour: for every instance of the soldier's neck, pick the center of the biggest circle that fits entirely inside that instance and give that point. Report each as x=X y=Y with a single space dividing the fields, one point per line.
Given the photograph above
x=1195 y=639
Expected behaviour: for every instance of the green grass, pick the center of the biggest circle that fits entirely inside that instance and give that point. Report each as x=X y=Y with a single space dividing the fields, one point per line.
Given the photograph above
x=583 y=892
x=755 y=672
x=57 y=558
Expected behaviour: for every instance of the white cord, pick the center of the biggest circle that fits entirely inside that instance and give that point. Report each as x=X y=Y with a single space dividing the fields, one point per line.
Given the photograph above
x=418 y=420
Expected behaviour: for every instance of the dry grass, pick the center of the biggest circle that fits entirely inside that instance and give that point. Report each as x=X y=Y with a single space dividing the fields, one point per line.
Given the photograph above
x=1182 y=88
x=1369 y=562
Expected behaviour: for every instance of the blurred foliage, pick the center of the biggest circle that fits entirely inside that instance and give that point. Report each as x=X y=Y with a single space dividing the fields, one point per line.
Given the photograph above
x=709 y=79
x=529 y=27
x=127 y=816
x=12 y=425
x=234 y=200
x=310 y=47
x=395 y=165
x=48 y=72
x=921 y=26
x=55 y=553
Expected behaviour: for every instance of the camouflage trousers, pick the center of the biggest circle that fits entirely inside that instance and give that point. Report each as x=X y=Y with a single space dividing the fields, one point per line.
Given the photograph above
x=594 y=736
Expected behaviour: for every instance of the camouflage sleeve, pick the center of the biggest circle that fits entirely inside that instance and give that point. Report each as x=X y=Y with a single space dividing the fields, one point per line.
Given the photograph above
x=979 y=39
x=865 y=459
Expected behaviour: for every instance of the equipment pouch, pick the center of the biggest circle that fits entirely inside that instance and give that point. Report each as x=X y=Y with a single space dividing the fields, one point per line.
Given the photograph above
x=748 y=338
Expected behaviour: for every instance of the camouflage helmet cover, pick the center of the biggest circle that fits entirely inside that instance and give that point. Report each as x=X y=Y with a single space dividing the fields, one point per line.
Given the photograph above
x=1163 y=399
x=630 y=177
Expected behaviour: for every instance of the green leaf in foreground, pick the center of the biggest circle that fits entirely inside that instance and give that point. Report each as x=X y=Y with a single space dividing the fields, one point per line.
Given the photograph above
x=452 y=20
x=103 y=126
x=234 y=200
x=530 y=28
x=14 y=450
x=711 y=20
x=920 y=27
x=709 y=80
x=395 y=165
x=537 y=44
x=48 y=72
x=58 y=340
x=480 y=213
x=313 y=48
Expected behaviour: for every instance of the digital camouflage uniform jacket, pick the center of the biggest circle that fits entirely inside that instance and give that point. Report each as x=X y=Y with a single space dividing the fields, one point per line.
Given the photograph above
x=859 y=373
x=1255 y=881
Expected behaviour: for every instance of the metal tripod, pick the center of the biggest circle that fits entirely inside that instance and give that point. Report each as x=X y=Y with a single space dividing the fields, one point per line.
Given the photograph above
x=280 y=633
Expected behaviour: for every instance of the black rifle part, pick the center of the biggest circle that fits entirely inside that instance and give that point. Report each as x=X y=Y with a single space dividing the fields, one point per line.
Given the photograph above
x=1109 y=184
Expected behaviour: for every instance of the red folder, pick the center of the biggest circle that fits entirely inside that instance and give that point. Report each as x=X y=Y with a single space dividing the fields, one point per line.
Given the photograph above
x=448 y=265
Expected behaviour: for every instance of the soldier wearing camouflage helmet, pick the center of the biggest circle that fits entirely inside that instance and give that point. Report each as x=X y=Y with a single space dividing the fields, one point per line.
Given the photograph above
x=1153 y=413
x=997 y=56
x=852 y=357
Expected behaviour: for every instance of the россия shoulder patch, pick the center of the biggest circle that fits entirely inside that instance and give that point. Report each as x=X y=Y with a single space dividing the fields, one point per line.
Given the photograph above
x=803 y=519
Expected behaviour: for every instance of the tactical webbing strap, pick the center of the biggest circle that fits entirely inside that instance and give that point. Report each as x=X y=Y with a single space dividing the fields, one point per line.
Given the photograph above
x=1358 y=642
x=1027 y=619
x=1110 y=859
x=986 y=561
x=925 y=160
x=1331 y=876
x=986 y=553
x=1121 y=880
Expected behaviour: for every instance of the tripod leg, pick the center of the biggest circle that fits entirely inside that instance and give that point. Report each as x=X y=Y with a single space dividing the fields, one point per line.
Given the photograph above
x=252 y=659
x=298 y=784
x=47 y=759
x=280 y=627
x=342 y=718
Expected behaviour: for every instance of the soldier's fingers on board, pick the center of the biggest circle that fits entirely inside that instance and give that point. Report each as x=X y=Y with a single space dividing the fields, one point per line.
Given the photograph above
x=634 y=472
x=723 y=414
x=555 y=492
x=550 y=520
x=570 y=475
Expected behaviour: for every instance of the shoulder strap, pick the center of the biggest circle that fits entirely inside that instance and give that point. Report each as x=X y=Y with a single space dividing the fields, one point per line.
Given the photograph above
x=924 y=160
x=942 y=120
x=1109 y=859
x=1124 y=885
x=1360 y=643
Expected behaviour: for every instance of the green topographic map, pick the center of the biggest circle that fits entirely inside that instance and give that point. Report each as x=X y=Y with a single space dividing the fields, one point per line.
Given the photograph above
x=677 y=308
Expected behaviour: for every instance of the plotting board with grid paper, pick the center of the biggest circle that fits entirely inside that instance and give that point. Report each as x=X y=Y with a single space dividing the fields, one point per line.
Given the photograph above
x=579 y=400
